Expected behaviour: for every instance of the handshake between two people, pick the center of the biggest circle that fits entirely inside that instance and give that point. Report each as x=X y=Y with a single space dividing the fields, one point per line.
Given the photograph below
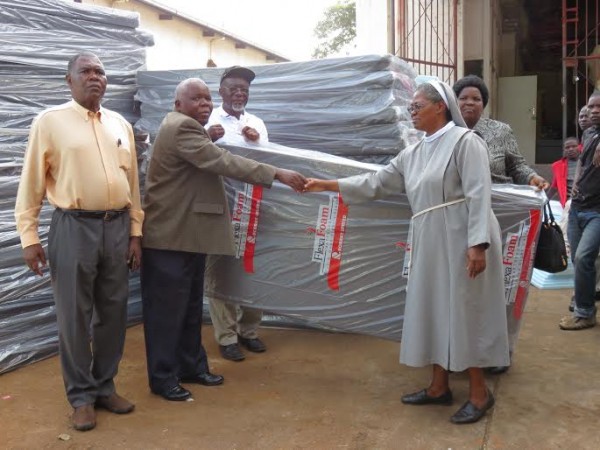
x=301 y=184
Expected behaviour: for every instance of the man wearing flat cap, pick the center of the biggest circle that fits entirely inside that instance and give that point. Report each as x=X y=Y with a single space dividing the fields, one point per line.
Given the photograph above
x=231 y=123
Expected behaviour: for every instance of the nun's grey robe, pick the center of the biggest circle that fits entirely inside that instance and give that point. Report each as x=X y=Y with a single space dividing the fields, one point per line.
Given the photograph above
x=450 y=319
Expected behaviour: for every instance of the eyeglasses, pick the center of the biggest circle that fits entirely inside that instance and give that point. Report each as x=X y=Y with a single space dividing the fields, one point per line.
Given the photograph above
x=416 y=107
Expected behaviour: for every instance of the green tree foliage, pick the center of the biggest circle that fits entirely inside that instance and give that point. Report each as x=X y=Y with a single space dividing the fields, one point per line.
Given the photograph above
x=337 y=29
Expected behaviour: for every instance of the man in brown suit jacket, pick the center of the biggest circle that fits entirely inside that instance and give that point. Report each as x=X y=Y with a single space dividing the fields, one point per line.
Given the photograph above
x=186 y=218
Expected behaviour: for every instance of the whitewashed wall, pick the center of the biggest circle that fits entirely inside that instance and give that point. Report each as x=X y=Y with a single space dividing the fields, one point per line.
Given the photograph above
x=179 y=44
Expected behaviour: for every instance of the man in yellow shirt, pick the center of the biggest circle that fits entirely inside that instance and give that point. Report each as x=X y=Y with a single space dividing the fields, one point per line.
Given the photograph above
x=82 y=157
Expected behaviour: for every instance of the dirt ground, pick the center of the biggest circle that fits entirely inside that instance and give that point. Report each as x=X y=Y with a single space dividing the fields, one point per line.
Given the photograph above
x=317 y=390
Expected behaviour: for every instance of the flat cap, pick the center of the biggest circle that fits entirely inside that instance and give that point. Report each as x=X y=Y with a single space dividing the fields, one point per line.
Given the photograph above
x=238 y=71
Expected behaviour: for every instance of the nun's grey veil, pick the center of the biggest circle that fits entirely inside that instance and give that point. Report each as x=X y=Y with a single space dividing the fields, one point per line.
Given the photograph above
x=450 y=100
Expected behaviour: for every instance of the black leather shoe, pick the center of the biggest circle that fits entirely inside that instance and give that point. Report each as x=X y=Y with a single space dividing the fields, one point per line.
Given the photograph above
x=469 y=413
x=497 y=370
x=206 y=379
x=254 y=345
x=422 y=398
x=175 y=394
x=231 y=352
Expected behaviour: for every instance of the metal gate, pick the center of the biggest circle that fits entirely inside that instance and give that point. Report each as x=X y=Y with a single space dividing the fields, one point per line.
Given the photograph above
x=427 y=36
x=580 y=54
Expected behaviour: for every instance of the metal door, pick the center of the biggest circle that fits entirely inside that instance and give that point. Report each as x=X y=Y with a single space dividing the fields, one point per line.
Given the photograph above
x=517 y=106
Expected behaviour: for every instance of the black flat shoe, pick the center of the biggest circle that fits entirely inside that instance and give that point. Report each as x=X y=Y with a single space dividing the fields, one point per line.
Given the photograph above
x=422 y=398
x=205 y=379
x=175 y=394
x=497 y=370
x=469 y=413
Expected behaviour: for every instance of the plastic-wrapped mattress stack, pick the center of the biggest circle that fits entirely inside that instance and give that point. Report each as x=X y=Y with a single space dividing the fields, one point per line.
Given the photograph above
x=307 y=257
x=293 y=259
x=37 y=37
x=353 y=107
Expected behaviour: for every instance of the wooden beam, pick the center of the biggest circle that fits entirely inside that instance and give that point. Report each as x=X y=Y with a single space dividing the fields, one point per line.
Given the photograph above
x=208 y=33
x=240 y=45
x=165 y=16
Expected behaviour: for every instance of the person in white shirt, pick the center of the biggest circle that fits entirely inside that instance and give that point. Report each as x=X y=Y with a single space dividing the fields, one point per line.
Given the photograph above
x=231 y=123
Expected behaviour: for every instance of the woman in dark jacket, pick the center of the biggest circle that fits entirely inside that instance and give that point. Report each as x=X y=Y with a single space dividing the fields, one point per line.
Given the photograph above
x=506 y=162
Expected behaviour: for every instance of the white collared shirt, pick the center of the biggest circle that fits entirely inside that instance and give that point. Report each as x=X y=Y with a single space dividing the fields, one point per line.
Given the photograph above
x=233 y=126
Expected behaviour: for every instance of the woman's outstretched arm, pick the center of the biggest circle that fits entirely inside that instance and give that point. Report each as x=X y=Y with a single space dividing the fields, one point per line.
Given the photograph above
x=318 y=185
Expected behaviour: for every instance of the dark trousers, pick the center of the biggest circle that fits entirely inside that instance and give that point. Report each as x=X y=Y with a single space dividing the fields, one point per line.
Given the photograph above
x=88 y=267
x=172 y=291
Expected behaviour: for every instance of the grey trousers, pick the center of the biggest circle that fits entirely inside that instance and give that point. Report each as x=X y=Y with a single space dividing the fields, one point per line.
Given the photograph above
x=88 y=267
x=229 y=320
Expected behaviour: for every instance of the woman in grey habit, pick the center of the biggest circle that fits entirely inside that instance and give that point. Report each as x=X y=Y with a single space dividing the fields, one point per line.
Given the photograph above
x=454 y=317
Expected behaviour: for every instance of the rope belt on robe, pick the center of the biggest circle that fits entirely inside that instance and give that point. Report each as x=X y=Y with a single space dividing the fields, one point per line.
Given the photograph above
x=409 y=247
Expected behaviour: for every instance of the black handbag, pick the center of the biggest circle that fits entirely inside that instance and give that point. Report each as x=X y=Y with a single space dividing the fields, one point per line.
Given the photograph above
x=551 y=254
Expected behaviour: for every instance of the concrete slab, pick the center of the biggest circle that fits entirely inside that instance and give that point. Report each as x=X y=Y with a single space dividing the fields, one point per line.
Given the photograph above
x=329 y=391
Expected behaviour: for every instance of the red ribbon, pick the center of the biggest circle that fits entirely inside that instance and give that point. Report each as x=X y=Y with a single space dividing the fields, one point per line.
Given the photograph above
x=252 y=230
x=532 y=234
x=335 y=260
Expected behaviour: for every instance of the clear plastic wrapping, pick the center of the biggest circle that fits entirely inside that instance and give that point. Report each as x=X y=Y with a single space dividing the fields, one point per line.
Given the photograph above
x=297 y=264
x=353 y=107
x=61 y=15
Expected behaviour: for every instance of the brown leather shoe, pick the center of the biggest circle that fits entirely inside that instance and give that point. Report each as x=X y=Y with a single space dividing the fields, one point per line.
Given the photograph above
x=115 y=404
x=84 y=417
